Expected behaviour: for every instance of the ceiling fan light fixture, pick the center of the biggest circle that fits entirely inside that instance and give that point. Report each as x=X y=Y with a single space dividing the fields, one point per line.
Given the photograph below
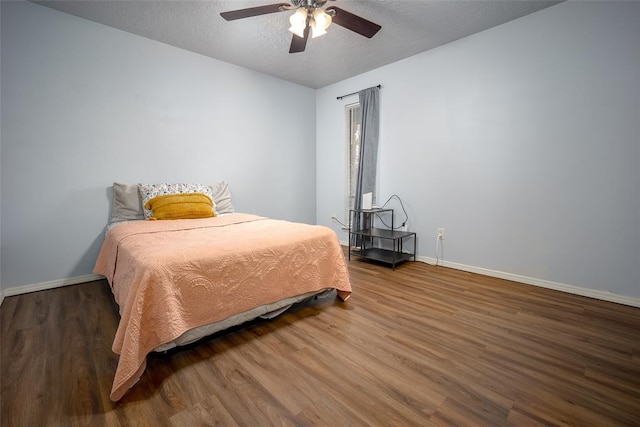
x=322 y=18
x=317 y=31
x=298 y=22
x=320 y=22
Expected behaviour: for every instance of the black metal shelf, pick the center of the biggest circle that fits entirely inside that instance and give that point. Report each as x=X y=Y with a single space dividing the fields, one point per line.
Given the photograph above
x=370 y=234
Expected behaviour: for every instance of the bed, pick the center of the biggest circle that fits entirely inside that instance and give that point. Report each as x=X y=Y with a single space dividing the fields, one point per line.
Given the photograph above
x=177 y=281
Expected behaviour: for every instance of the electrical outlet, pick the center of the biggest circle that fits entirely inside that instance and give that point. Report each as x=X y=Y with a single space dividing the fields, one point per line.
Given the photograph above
x=441 y=233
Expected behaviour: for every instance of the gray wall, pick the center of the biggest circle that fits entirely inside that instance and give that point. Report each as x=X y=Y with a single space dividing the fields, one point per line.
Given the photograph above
x=522 y=141
x=84 y=105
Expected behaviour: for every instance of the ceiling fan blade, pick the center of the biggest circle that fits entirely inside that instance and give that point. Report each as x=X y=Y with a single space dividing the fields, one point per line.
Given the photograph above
x=253 y=11
x=298 y=44
x=354 y=23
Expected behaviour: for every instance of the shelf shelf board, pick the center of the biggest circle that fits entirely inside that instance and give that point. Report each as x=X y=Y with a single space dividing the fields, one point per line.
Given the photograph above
x=383 y=233
x=383 y=255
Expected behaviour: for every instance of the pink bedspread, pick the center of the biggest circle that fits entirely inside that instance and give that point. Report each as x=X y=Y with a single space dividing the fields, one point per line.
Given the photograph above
x=171 y=276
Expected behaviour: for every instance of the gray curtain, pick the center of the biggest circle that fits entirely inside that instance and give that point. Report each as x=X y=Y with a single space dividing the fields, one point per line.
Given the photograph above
x=369 y=128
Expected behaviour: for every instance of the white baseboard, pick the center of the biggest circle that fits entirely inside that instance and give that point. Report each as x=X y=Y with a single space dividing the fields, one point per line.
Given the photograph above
x=586 y=292
x=592 y=293
x=576 y=290
x=50 y=285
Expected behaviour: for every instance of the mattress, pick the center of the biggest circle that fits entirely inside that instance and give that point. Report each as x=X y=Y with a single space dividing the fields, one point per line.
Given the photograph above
x=170 y=278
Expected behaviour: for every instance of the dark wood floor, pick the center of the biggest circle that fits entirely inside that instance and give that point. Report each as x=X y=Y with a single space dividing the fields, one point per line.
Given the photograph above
x=421 y=345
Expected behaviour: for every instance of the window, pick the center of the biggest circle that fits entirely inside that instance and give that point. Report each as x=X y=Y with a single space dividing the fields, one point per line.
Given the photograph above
x=352 y=155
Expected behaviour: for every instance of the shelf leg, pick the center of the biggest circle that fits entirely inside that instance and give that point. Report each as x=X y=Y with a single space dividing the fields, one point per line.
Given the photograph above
x=414 y=247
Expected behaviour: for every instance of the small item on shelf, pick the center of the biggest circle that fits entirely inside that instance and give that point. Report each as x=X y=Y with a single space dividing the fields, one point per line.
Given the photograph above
x=367 y=199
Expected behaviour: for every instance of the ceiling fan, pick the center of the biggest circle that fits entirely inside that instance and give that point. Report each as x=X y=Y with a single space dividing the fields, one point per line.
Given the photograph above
x=309 y=16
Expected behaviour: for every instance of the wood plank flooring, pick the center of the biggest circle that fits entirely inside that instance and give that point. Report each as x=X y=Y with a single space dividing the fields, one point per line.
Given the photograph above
x=421 y=345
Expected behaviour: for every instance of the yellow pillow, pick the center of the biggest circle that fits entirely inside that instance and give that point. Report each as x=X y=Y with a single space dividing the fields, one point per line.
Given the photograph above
x=181 y=206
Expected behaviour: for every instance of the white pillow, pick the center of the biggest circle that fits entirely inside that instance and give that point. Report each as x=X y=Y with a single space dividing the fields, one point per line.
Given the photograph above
x=221 y=198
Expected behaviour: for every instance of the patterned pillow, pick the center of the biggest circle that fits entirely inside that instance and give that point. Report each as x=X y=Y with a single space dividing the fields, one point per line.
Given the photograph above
x=149 y=191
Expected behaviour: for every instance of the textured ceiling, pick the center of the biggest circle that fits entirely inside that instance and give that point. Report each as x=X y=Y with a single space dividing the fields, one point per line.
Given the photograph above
x=262 y=43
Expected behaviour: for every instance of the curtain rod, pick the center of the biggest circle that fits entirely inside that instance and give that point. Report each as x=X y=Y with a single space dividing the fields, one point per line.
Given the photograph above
x=354 y=93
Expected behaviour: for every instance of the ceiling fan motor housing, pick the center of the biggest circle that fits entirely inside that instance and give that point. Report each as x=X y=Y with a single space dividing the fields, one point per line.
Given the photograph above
x=309 y=4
